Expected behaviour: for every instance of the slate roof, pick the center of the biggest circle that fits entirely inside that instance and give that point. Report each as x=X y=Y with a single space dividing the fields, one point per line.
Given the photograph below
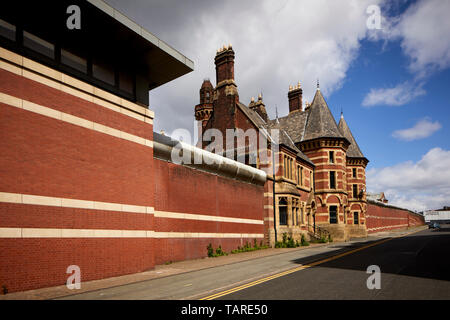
x=320 y=122
x=293 y=124
x=315 y=122
x=353 y=150
x=286 y=140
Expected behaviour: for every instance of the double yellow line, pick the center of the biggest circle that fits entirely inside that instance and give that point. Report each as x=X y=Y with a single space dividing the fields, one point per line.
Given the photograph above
x=302 y=267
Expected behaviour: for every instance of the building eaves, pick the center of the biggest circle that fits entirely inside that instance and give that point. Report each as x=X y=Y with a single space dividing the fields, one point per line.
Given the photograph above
x=120 y=17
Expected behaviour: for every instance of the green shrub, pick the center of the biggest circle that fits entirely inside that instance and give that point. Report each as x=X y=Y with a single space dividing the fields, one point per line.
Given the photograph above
x=220 y=252
x=210 y=250
x=280 y=244
x=248 y=247
x=287 y=242
x=323 y=239
x=303 y=241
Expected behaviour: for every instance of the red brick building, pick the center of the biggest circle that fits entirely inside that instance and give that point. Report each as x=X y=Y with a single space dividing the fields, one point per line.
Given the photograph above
x=320 y=184
x=84 y=180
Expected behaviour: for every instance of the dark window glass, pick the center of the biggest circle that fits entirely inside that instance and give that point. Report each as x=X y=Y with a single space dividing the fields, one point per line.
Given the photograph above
x=332 y=180
x=73 y=61
x=331 y=154
x=282 y=208
x=355 y=191
x=103 y=72
x=7 y=30
x=39 y=45
x=354 y=172
x=126 y=82
x=355 y=218
x=333 y=214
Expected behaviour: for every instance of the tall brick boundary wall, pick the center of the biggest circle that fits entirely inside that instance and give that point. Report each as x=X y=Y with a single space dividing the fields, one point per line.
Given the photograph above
x=194 y=208
x=381 y=217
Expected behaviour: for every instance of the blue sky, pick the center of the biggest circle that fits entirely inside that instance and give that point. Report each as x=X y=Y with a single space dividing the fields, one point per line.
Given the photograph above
x=380 y=65
x=392 y=83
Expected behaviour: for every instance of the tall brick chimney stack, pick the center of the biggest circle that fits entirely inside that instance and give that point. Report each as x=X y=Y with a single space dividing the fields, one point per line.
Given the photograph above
x=224 y=66
x=226 y=95
x=295 y=98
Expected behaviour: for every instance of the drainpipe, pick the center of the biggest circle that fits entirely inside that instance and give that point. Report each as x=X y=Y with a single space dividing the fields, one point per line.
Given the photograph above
x=273 y=191
x=314 y=191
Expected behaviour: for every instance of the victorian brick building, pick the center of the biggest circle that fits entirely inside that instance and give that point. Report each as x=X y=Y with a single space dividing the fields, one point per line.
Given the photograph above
x=86 y=182
x=320 y=181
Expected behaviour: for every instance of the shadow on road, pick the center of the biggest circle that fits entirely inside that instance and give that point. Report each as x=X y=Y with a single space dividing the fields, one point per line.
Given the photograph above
x=425 y=255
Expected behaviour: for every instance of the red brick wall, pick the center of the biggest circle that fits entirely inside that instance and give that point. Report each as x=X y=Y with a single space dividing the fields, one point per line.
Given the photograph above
x=35 y=263
x=48 y=157
x=184 y=190
x=382 y=218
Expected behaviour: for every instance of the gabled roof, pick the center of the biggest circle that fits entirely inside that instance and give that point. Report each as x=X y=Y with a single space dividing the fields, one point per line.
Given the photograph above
x=353 y=150
x=320 y=122
x=253 y=116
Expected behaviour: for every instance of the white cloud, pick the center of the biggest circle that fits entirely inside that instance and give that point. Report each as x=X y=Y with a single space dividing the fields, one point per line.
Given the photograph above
x=416 y=186
x=424 y=34
x=422 y=129
x=277 y=43
x=399 y=95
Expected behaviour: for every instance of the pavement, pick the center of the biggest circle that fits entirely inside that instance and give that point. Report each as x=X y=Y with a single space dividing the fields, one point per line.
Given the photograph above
x=194 y=279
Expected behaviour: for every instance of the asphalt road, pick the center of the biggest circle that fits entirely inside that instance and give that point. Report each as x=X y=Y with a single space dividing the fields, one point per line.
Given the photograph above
x=416 y=266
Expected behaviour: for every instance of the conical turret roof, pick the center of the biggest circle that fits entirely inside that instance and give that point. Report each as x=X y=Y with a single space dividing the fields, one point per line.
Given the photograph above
x=353 y=150
x=320 y=122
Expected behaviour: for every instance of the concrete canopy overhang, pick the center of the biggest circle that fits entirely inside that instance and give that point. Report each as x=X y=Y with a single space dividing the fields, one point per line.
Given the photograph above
x=105 y=32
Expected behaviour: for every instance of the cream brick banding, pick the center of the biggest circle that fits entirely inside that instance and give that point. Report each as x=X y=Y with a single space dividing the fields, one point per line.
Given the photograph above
x=189 y=216
x=32 y=70
x=104 y=233
x=68 y=118
x=385 y=227
x=72 y=203
x=119 y=207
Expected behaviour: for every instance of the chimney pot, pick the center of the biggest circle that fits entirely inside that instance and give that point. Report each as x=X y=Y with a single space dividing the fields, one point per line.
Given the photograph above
x=295 y=98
